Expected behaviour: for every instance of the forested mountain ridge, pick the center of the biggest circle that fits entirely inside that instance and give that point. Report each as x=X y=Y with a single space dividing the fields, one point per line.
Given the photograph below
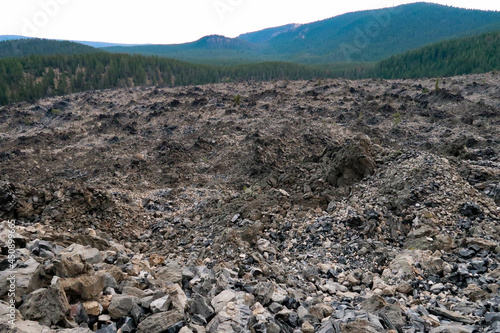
x=363 y=36
x=212 y=49
x=262 y=36
x=33 y=46
x=474 y=54
x=88 y=43
x=377 y=34
x=11 y=37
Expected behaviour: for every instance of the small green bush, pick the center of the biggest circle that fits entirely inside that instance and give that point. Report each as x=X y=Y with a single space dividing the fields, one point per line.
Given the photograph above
x=27 y=121
x=237 y=100
x=396 y=118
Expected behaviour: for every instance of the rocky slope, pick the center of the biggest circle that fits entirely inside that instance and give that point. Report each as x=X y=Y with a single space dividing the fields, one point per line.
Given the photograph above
x=318 y=206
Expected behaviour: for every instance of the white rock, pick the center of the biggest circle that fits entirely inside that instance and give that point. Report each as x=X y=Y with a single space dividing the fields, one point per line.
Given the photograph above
x=161 y=304
x=219 y=301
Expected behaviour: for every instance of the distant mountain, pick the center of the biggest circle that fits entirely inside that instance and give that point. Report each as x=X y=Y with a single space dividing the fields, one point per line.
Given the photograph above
x=29 y=46
x=213 y=49
x=92 y=44
x=102 y=44
x=376 y=34
x=364 y=36
x=475 y=54
x=10 y=37
x=263 y=36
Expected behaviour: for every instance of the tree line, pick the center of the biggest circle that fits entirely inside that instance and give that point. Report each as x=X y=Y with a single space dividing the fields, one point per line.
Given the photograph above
x=35 y=77
x=475 y=54
x=33 y=46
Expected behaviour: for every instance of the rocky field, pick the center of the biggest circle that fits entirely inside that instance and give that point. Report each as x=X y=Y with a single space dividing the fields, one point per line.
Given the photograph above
x=321 y=206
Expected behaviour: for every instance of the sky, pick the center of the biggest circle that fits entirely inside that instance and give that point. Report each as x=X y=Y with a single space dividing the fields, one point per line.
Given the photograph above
x=179 y=21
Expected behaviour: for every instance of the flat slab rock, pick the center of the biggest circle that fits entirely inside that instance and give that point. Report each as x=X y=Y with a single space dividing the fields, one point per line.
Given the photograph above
x=451 y=315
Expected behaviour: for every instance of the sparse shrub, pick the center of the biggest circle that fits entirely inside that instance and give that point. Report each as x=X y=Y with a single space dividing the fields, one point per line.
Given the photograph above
x=428 y=215
x=396 y=118
x=250 y=191
x=425 y=90
x=237 y=100
x=27 y=121
x=437 y=84
x=53 y=112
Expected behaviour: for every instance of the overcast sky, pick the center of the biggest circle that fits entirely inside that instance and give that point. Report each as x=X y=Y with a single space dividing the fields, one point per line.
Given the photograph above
x=168 y=21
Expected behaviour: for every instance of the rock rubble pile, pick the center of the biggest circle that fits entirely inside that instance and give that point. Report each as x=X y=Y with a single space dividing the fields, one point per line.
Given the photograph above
x=334 y=206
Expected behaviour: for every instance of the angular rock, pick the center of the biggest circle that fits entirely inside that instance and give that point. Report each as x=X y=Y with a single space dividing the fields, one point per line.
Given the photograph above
x=127 y=325
x=219 y=301
x=132 y=291
x=171 y=273
x=178 y=297
x=92 y=308
x=373 y=304
x=121 y=305
x=199 y=305
x=27 y=326
x=23 y=277
x=156 y=259
x=111 y=328
x=437 y=288
x=401 y=266
x=9 y=312
x=83 y=287
x=68 y=265
x=394 y=314
x=451 y=315
x=263 y=292
x=482 y=243
x=79 y=314
x=307 y=328
x=358 y=326
x=404 y=288
x=161 y=322
x=146 y=301
x=321 y=311
x=185 y=330
x=47 y=306
x=90 y=254
x=162 y=304
x=453 y=328
x=232 y=318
